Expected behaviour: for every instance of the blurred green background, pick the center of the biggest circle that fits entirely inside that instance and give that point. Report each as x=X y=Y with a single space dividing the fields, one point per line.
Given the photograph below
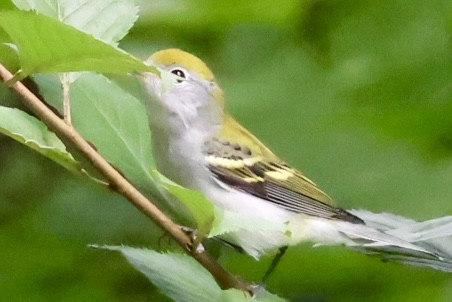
x=357 y=94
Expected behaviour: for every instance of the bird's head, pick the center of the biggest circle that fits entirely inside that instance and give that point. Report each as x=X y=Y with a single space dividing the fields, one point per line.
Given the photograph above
x=185 y=93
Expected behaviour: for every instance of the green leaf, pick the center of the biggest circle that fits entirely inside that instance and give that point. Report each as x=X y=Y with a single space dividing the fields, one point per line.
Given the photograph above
x=177 y=276
x=106 y=20
x=50 y=87
x=234 y=295
x=8 y=56
x=48 y=8
x=33 y=133
x=116 y=123
x=47 y=45
x=199 y=206
x=181 y=278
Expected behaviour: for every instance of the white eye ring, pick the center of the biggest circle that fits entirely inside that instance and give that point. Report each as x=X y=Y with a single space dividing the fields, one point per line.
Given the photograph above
x=180 y=73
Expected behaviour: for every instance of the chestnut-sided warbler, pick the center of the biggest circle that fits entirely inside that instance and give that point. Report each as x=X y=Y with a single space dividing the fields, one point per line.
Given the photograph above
x=197 y=144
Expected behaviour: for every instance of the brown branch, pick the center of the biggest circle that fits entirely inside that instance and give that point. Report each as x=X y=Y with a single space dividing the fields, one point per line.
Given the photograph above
x=120 y=184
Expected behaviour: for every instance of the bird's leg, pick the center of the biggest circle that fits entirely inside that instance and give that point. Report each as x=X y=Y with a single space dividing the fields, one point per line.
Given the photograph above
x=274 y=263
x=195 y=246
x=235 y=247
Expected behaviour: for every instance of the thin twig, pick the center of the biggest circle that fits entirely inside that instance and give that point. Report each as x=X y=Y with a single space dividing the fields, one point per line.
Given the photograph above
x=120 y=184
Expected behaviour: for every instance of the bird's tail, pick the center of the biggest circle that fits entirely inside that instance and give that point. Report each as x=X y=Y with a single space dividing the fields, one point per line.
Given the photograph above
x=395 y=238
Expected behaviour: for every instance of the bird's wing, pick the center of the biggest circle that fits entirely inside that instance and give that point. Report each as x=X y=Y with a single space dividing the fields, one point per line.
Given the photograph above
x=238 y=159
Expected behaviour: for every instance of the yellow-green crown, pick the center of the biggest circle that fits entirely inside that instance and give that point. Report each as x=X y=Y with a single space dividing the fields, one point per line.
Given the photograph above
x=174 y=56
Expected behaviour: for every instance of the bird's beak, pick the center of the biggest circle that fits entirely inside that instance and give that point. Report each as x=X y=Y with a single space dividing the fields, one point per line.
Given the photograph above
x=152 y=78
x=160 y=79
x=153 y=69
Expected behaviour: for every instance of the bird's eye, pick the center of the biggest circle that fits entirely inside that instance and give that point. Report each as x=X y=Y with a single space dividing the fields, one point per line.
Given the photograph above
x=180 y=73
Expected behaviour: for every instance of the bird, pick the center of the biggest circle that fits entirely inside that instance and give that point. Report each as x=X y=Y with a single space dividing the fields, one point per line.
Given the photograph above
x=199 y=145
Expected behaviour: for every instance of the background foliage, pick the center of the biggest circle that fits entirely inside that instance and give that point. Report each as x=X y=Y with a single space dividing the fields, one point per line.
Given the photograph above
x=357 y=94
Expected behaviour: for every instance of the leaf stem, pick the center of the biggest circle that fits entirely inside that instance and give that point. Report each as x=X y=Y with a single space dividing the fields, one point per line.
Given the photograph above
x=66 y=83
x=118 y=183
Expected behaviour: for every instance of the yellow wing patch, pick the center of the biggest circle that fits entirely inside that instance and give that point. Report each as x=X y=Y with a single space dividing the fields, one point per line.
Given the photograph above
x=231 y=163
